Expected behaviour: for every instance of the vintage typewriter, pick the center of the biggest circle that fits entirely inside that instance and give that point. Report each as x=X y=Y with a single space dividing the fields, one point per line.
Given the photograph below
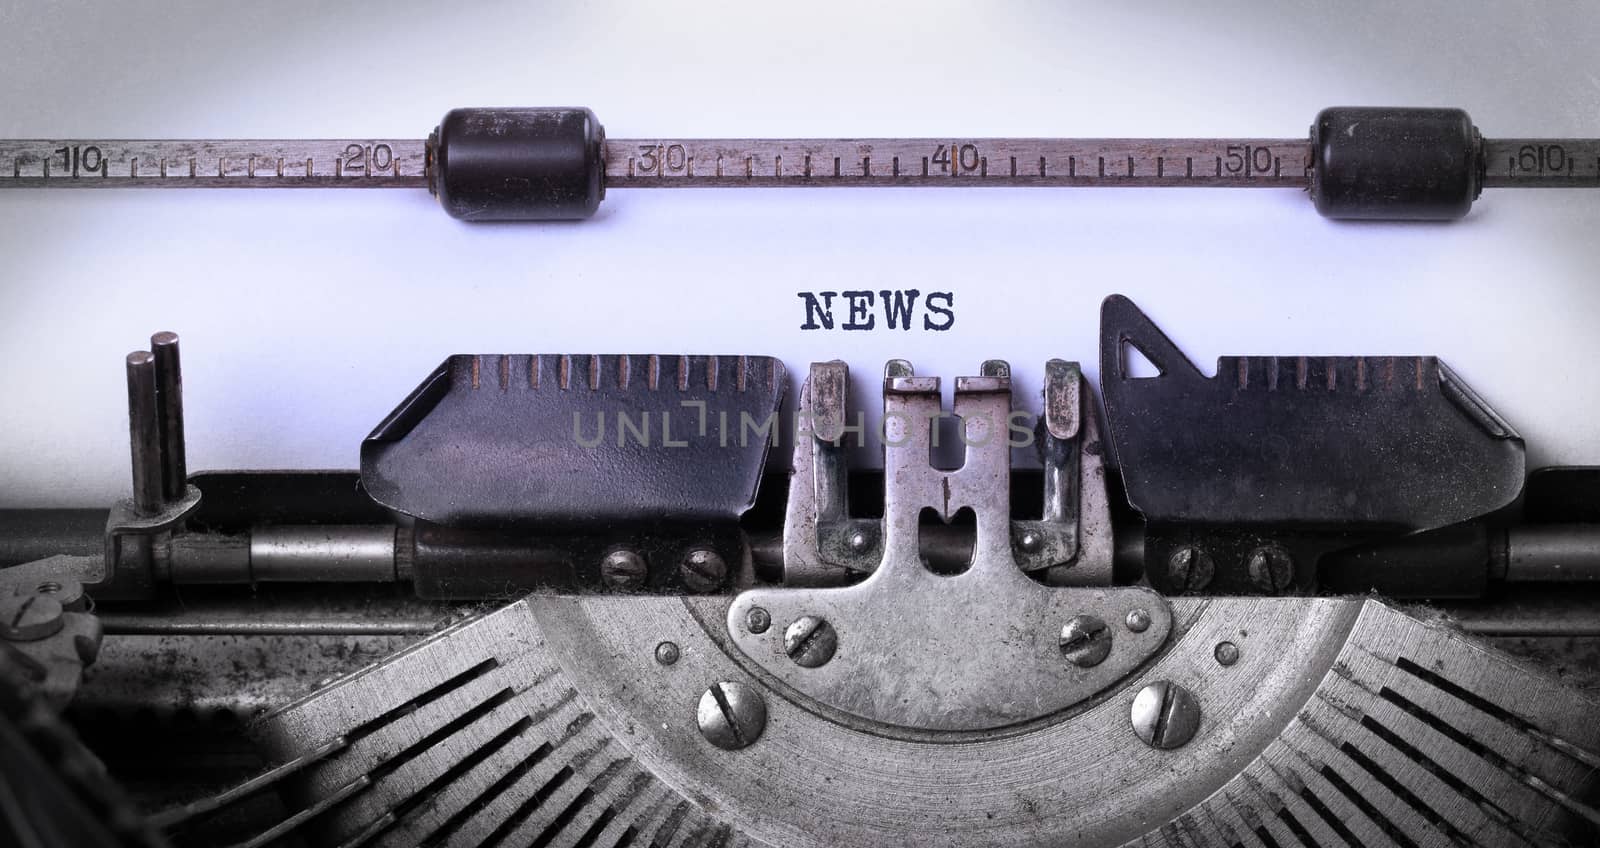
x=655 y=600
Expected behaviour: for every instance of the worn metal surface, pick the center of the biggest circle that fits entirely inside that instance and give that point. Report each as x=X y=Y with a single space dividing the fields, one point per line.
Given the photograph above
x=244 y=163
x=48 y=644
x=243 y=673
x=662 y=163
x=1395 y=441
x=1541 y=163
x=970 y=651
x=674 y=163
x=944 y=162
x=551 y=721
x=506 y=441
x=824 y=543
x=323 y=553
x=1280 y=460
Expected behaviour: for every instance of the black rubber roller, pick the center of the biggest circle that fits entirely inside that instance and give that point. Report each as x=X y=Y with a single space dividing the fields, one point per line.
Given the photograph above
x=518 y=164
x=1395 y=164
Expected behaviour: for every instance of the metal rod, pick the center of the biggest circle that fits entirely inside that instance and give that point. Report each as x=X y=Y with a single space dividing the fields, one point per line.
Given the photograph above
x=169 y=409
x=1541 y=163
x=243 y=163
x=954 y=161
x=323 y=553
x=958 y=162
x=1553 y=553
x=144 y=433
x=256 y=624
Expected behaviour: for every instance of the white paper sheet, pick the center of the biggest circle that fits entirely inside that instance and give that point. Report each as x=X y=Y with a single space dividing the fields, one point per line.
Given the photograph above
x=306 y=316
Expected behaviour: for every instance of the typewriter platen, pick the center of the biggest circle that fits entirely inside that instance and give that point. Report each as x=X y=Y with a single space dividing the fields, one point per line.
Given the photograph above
x=1306 y=601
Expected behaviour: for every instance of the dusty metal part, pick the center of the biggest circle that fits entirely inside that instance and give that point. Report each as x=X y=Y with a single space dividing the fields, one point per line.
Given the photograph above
x=514 y=441
x=27 y=577
x=358 y=553
x=243 y=675
x=550 y=722
x=1071 y=544
x=731 y=716
x=823 y=543
x=66 y=591
x=50 y=646
x=1525 y=610
x=244 y=651
x=703 y=570
x=292 y=624
x=623 y=569
x=810 y=641
x=970 y=651
x=1190 y=568
x=1067 y=538
x=1086 y=641
x=1165 y=715
x=48 y=636
x=1553 y=553
x=1271 y=568
x=29 y=618
x=1282 y=460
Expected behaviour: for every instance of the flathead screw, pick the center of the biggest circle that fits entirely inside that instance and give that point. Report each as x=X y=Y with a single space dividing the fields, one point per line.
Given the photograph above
x=703 y=570
x=1165 y=715
x=65 y=590
x=28 y=618
x=1190 y=568
x=1085 y=641
x=757 y=620
x=623 y=569
x=810 y=641
x=667 y=653
x=1138 y=620
x=1271 y=568
x=731 y=715
x=1226 y=653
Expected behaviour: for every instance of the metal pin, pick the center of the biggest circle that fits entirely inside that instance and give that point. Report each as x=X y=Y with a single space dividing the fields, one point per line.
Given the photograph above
x=169 y=409
x=144 y=433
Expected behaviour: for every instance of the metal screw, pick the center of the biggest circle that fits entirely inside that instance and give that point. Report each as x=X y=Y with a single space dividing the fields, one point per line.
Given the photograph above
x=667 y=653
x=860 y=542
x=703 y=570
x=1271 y=568
x=623 y=569
x=67 y=592
x=28 y=618
x=810 y=641
x=1085 y=641
x=757 y=620
x=1190 y=568
x=731 y=715
x=1138 y=620
x=1226 y=653
x=1165 y=715
x=1030 y=541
